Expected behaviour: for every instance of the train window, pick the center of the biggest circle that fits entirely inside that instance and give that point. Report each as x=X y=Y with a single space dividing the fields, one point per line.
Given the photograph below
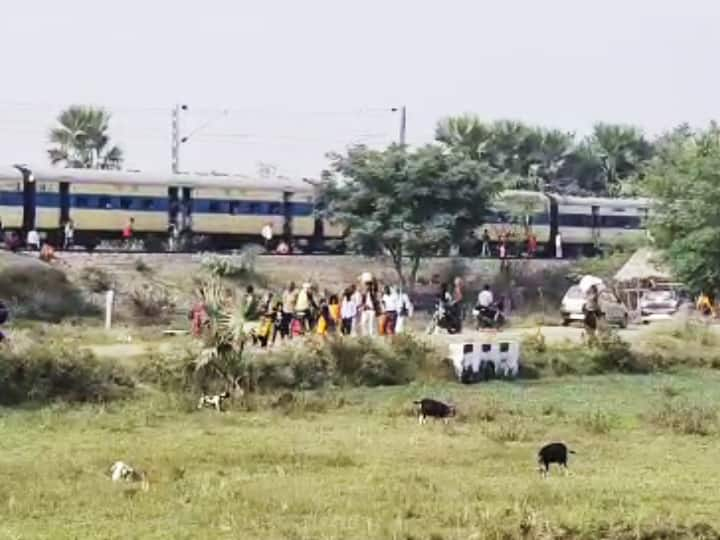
x=214 y=207
x=621 y=222
x=105 y=202
x=148 y=204
x=575 y=220
x=540 y=219
x=276 y=209
x=254 y=208
x=125 y=203
x=81 y=202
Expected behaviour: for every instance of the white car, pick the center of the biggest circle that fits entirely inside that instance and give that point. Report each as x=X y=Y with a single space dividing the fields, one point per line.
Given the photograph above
x=659 y=304
x=573 y=302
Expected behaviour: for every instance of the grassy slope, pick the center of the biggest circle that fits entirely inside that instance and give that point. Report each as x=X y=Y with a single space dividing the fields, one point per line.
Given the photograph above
x=363 y=470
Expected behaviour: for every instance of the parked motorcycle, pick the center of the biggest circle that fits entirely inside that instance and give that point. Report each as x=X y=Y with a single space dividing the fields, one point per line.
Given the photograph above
x=489 y=317
x=446 y=317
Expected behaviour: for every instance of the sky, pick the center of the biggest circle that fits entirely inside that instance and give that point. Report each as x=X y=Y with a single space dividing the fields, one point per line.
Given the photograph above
x=284 y=82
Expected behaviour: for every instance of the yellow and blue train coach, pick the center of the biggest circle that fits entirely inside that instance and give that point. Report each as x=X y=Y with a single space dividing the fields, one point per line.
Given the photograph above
x=220 y=211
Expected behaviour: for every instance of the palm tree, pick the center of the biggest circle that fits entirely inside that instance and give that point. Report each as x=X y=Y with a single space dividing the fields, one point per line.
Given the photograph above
x=467 y=134
x=82 y=140
x=622 y=149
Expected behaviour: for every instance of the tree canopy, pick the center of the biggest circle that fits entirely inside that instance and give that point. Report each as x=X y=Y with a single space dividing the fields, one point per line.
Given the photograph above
x=535 y=157
x=408 y=204
x=684 y=181
x=81 y=140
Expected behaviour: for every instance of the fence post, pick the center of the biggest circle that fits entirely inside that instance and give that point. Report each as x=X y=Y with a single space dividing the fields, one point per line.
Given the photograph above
x=109 y=297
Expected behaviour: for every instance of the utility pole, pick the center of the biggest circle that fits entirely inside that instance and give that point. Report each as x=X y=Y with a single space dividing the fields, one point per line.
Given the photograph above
x=403 y=125
x=176 y=140
x=175 y=143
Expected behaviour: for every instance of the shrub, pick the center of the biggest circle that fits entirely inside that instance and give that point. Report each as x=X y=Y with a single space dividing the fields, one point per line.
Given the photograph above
x=686 y=418
x=96 y=279
x=43 y=293
x=152 y=302
x=331 y=362
x=598 y=422
x=235 y=266
x=54 y=371
x=142 y=267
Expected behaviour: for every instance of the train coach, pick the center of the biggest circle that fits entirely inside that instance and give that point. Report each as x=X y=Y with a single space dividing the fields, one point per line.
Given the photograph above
x=214 y=211
x=226 y=212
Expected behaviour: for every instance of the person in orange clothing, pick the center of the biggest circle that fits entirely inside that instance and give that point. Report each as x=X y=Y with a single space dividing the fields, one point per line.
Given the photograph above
x=334 y=314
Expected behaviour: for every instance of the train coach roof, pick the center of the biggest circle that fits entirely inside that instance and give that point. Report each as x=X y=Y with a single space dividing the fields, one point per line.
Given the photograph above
x=92 y=176
x=10 y=174
x=600 y=201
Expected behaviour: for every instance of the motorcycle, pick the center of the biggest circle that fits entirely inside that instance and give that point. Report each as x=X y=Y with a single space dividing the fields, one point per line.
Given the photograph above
x=489 y=317
x=447 y=318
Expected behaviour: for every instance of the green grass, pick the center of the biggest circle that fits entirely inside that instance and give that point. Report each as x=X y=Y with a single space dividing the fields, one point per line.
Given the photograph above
x=355 y=464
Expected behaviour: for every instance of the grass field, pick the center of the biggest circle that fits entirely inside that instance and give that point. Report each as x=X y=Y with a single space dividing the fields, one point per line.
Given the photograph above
x=355 y=464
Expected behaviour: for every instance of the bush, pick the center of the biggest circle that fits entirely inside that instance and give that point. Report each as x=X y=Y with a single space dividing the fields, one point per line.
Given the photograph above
x=152 y=302
x=236 y=266
x=96 y=280
x=54 y=371
x=42 y=293
x=685 y=418
x=319 y=363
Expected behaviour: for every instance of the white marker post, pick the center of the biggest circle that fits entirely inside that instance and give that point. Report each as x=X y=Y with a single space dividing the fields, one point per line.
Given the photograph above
x=109 y=297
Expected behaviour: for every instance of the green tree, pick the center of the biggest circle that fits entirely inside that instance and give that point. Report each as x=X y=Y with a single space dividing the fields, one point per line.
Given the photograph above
x=529 y=156
x=684 y=182
x=81 y=140
x=622 y=150
x=466 y=134
x=408 y=204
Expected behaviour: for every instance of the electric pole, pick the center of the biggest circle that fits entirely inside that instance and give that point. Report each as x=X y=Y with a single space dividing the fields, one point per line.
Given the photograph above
x=176 y=140
x=403 y=125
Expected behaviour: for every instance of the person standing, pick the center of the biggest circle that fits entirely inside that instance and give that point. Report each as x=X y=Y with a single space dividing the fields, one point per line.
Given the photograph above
x=33 y=240
x=592 y=312
x=69 y=234
x=485 y=252
x=348 y=312
x=369 y=308
x=289 y=299
x=390 y=308
x=558 y=246
x=405 y=311
x=267 y=234
x=304 y=306
x=127 y=232
x=532 y=244
x=357 y=298
x=334 y=312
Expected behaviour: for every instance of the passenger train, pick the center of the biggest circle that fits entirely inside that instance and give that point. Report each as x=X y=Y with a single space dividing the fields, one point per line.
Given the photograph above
x=226 y=212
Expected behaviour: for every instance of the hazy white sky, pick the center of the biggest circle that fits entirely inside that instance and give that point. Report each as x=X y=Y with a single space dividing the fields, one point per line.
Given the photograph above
x=304 y=77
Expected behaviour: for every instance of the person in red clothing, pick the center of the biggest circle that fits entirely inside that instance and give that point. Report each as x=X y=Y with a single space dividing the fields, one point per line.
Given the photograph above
x=198 y=315
x=127 y=232
x=532 y=244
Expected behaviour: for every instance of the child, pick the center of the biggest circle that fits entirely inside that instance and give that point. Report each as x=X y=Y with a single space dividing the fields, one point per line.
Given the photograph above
x=323 y=322
x=334 y=312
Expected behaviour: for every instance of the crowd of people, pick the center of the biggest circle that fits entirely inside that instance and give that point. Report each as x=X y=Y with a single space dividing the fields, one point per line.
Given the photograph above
x=364 y=310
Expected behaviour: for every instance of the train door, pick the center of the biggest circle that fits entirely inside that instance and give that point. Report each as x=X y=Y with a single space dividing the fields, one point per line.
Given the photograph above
x=29 y=201
x=554 y=225
x=186 y=210
x=595 y=210
x=287 y=218
x=173 y=206
x=64 y=202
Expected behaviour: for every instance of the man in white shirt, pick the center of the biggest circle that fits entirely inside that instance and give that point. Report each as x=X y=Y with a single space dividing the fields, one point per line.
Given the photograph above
x=485 y=298
x=267 y=234
x=33 y=240
x=405 y=310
